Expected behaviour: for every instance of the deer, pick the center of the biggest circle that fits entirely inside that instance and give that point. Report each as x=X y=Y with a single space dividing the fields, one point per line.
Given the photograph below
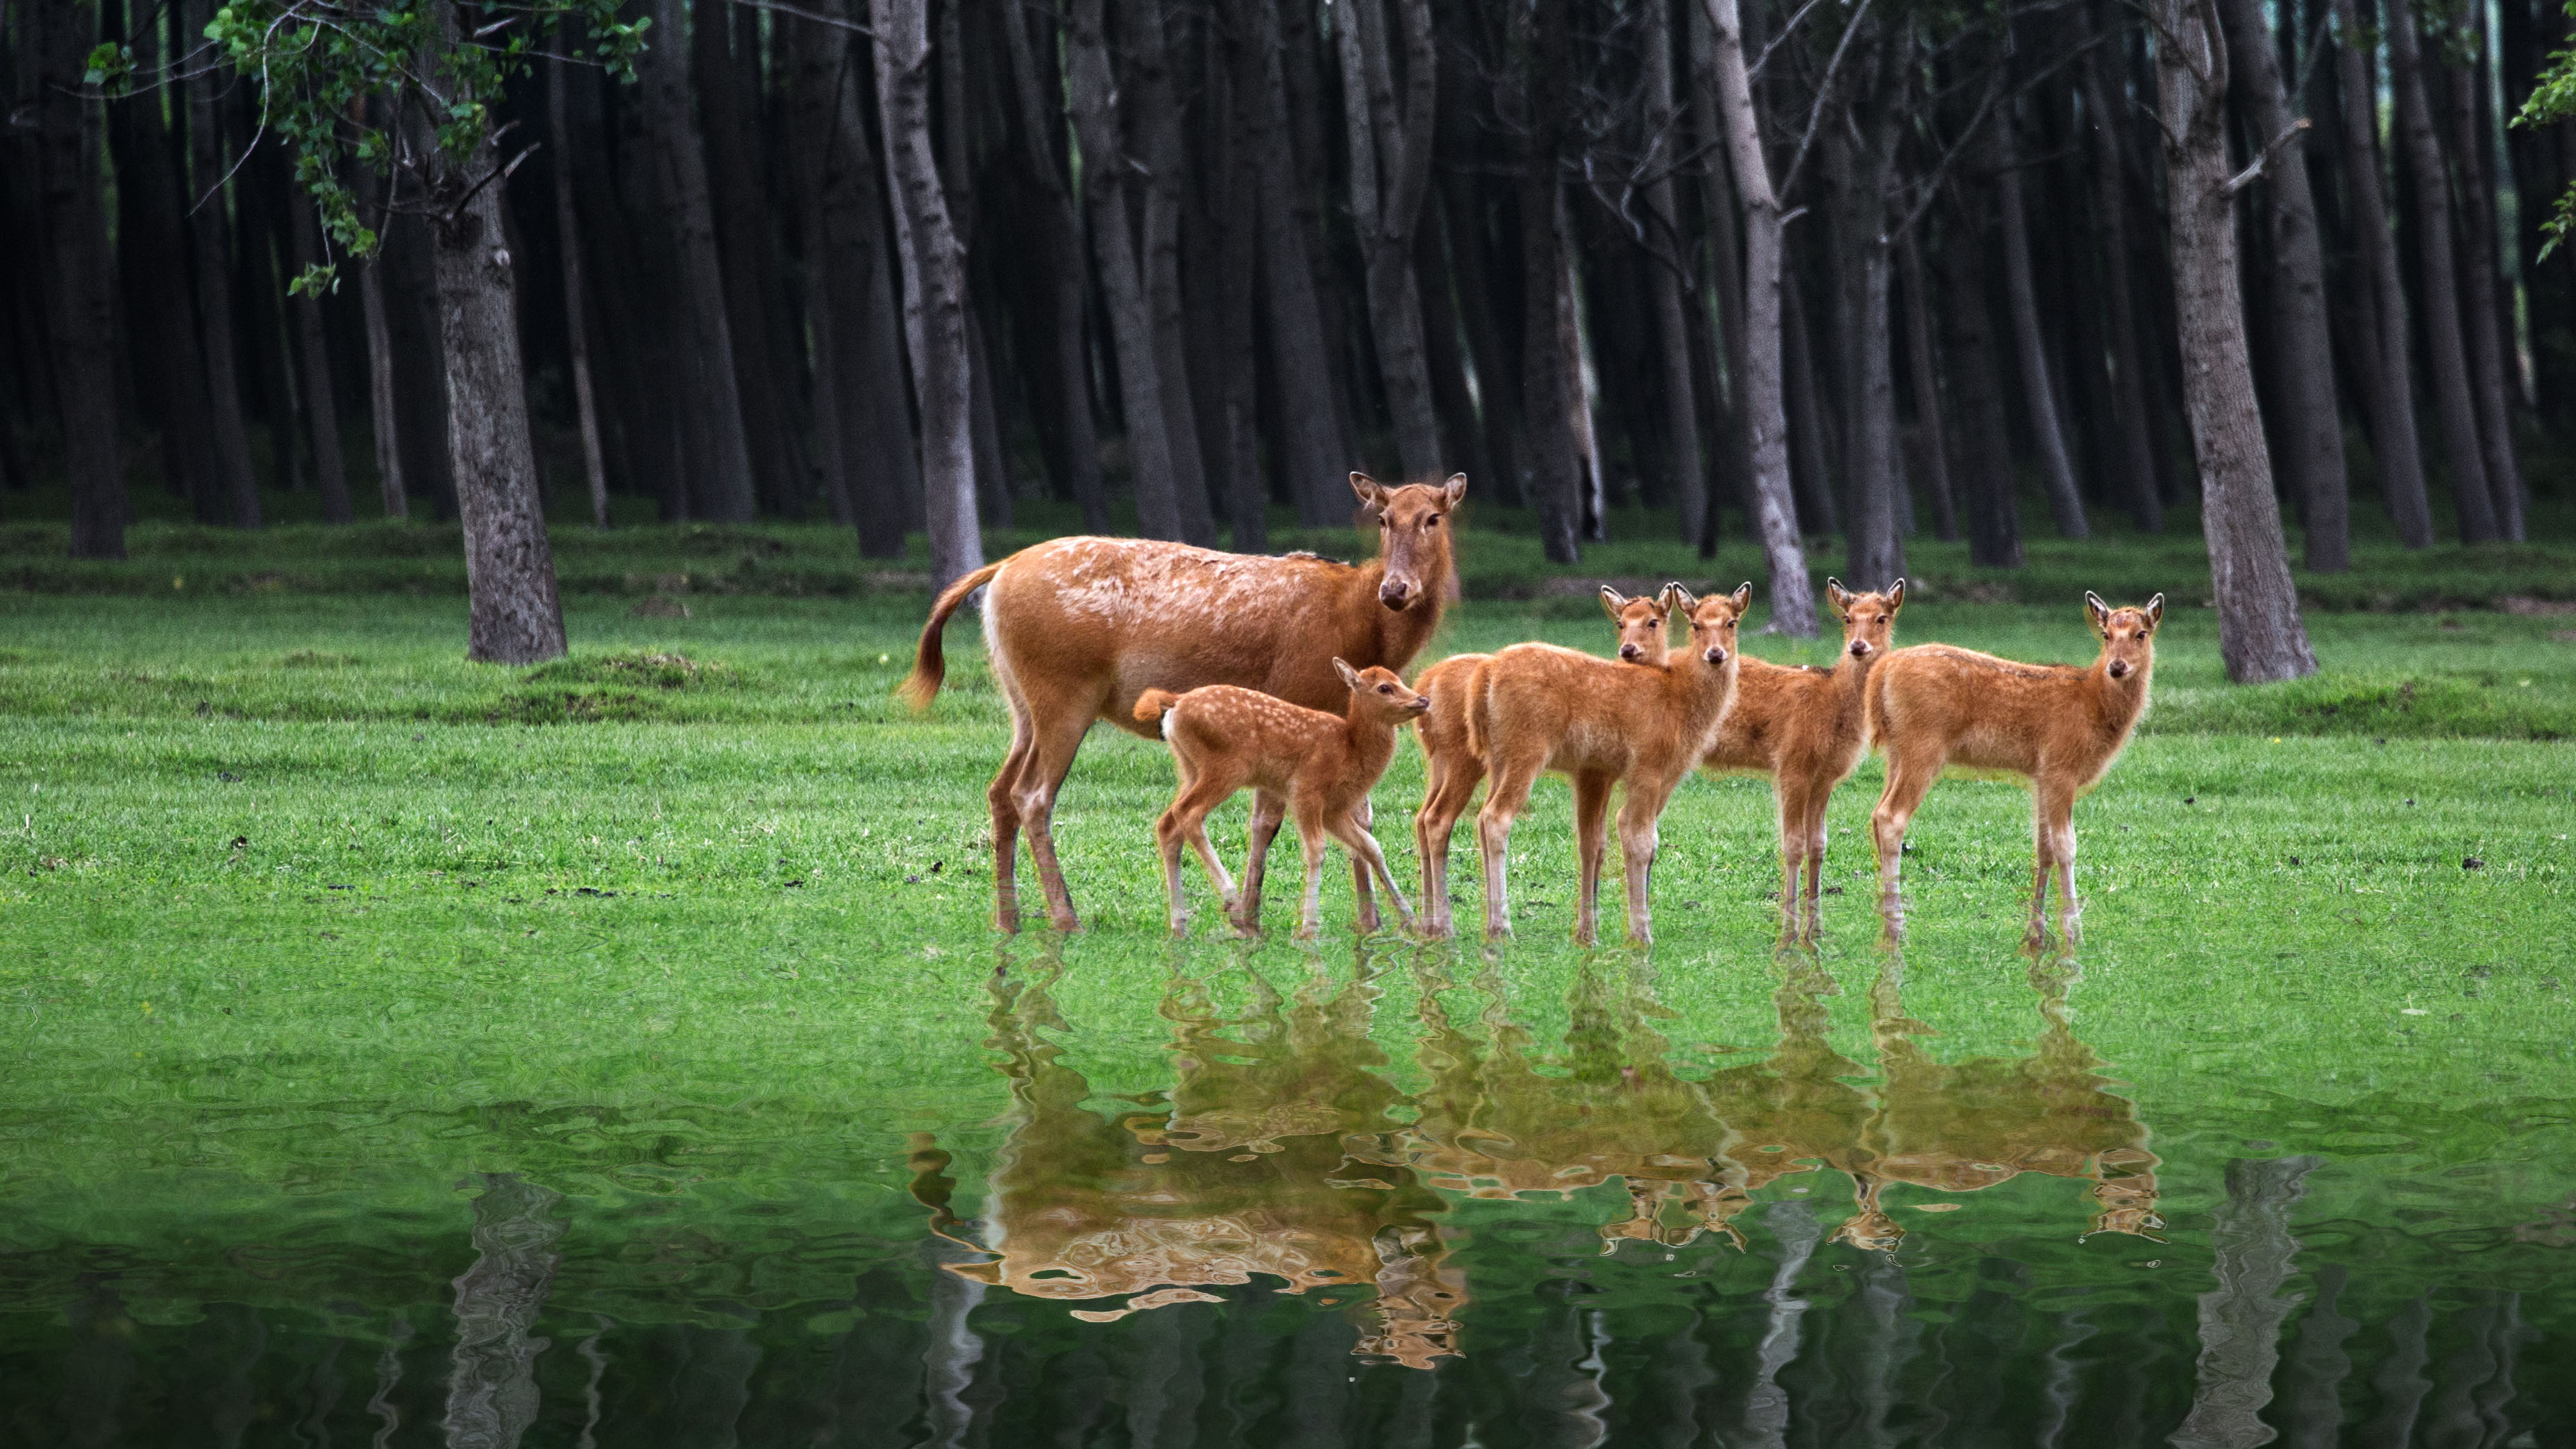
x=2056 y=727
x=1224 y=738
x=1077 y=629
x=1452 y=771
x=1807 y=729
x=1539 y=707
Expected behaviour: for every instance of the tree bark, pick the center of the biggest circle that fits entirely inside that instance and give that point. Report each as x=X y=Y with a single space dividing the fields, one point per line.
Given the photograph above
x=2310 y=430
x=321 y=402
x=80 y=297
x=725 y=492
x=1982 y=457
x=385 y=426
x=2446 y=352
x=2136 y=448
x=2260 y=635
x=161 y=306
x=1309 y=408
x=1390 y=172
x=741 y=215
x=2048 y=432
x=1234 y=187
x=492 y=1394
x=1874 y=549
x=1932 y=455
x=2240 y=1319
x=934 y=289
x=2479 y=300
x=1723 y=362
x=2394 y=444
x=1775 y=511
x=1154 y=115
x=1665 y=238
x=206 y=220
x=1041 y=131
x=1547 y=394
x=576 y=325
x=1811 y=461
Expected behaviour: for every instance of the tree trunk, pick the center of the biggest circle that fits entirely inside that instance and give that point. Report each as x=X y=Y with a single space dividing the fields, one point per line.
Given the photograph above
x=1317 y=459
x=1234 y=185
x=2240 y=1319
x=2310 y=430
x=492 y=1394
x=160 y=304
x=1811 y=464
x=321 y=402
x=1874 y=549
x=934 y=289
x=2048 y=433
x=1775 y=512
x=1041 y=131
x=741 y=216
x=2136 y=450
x=725 y=491
x=576 y=328
x=1672 y=333
x=1547 y=394
x=80 y=297
x=1154 y=113
x=1462 y=434
x=1932 y=456
x=1982 y=460
x=1725 y=359
x=206 y=219
x=1573 y=343
x=2393 y=440
x=2446 y=352
x=2260 y=635
x=380 y=361
x=2479 y=300
x=1390 y=171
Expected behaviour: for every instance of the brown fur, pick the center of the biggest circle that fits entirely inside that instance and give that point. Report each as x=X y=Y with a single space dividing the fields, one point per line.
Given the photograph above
x=1807 y=729
x=1934 y=708
x=1451 y=767
x=1224 y=738
x=1079 y=628
x=1537 y=708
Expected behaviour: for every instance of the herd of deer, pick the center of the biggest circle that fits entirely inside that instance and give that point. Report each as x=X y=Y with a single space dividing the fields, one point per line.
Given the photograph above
x=1283 y=674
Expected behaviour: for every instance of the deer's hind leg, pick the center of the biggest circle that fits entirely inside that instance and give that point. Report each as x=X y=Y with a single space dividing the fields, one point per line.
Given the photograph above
x=1269 y=808
x=1353 y=833
x=1057 y=724
x=1505 y=798
x=1591 y=811
x=1910 y=776
x=2052 y=834
x=1452 y=784
x=1366 y=815
x=1789 y=794
x=1639 y=837
x=1002 y=797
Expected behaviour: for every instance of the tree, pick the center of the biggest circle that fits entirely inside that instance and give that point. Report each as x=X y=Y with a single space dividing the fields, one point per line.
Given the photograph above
x=2260 y=634
x=934 y=290
x=1775 y=510
x=80 y=303
x=2387 y=374
x=576 y=329
x=1390 y=173
x=314 y=61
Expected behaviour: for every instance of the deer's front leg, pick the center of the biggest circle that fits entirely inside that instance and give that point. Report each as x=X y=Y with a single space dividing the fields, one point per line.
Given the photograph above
x=1268 y=809
x=1360 y=892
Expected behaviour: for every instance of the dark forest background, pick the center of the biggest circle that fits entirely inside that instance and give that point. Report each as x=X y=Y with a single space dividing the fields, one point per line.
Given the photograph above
x=1219 y=254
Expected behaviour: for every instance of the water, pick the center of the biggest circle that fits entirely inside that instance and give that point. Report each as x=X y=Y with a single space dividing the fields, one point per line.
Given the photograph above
x=1411 y=1197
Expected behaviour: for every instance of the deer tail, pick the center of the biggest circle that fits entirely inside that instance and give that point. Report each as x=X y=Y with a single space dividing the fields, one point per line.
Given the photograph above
x=930 y=659
x=1150 y=705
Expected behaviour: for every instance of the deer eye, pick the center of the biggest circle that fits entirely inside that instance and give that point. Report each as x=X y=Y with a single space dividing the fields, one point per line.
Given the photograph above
x=1386 y=689
x=1432 y=522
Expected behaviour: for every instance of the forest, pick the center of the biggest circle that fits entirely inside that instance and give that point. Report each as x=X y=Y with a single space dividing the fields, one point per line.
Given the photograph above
x=1790 y=271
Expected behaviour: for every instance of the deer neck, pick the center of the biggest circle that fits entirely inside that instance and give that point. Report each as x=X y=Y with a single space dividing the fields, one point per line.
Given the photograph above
x=1371 y=739
x=1401 y=635
x=2121 y=701
x=1701 y=687
x=1851 y=683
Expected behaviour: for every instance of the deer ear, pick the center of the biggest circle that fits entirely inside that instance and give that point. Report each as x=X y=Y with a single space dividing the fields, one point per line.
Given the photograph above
x=1454 y=489
x=1349 y=675
x=1372 y=493
x=1896 y=596
x=2155 y=613
x=2097 y=611
x=1674 y=599
x=1743 y=598
x=1612 y=601
x=1837 y=595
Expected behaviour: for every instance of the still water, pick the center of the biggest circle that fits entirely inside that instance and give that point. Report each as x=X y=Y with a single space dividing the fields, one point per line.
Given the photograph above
x=1399 y=1198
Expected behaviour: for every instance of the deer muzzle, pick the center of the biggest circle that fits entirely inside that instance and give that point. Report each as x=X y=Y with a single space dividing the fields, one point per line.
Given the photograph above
x=2119 y=669
x=1630 y=652
x=1860 y=649
x=1395 y=594
x=1716 y=655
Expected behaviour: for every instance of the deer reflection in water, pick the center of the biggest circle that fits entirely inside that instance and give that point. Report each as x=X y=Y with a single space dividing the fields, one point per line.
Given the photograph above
x=1282 y=1150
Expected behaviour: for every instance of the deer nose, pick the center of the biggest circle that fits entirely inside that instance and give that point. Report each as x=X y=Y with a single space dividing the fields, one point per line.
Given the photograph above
x=1421 y=704
x=1629 y=651
x=1394 y=594
x=2119 y=669
x=1860 y=649
x=1716 y=656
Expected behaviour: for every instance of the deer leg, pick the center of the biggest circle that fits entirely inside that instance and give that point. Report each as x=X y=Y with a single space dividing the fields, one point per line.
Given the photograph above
x=1591 y=805
x=1360 y=892
x=1355 y=838
x=1006 y=824
x=1503 y=800
x=2052 y=833
x=1817 y=799
x=1268 y=809
x=1638 y=839
x=1052 y=747
x=1310 y=837
x=1167 y=844
x=1454 y=784
x=1792 y=802
x=1909 y=779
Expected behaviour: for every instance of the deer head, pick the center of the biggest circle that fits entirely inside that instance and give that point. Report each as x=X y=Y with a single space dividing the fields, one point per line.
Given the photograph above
x=1379 y=693
x=1412 y=534
x=1713 y=620
x=1640 y=623
x=2128 y=634
x=1868 y=619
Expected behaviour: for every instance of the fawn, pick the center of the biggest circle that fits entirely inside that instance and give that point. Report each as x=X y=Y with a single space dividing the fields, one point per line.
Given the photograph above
x=1451 y=770
x=1224 y=738
x=1539 y=708
x=1933 y=707
x=1807 y=729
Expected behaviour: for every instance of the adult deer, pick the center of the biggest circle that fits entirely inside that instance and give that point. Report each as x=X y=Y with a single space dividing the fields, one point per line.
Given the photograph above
x=2055 y=726
x=1224 y=738
x=1451 y=767
x=1079 y=628
x=1807 y=729
x=1541 y=708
